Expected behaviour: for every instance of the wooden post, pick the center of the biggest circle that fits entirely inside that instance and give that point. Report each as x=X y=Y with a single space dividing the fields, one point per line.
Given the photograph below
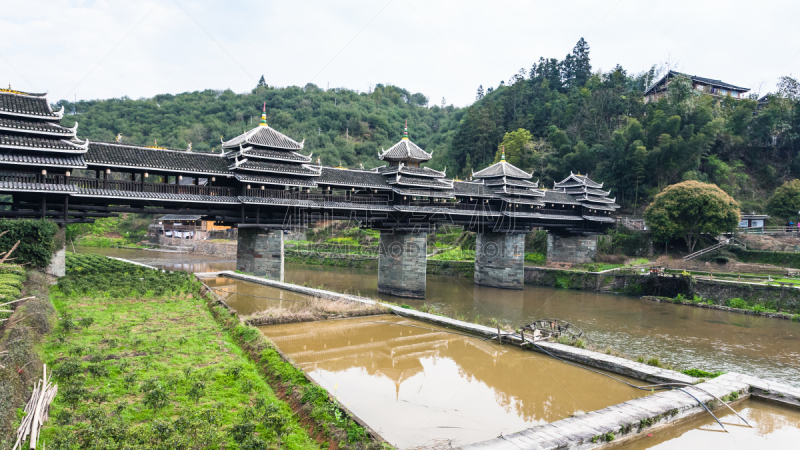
x=44 y=205
x=66 y=207
x=522 y=335
x=499 y=337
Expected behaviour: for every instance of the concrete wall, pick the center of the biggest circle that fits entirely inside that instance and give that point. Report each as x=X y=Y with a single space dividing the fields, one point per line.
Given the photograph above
x=260 y=252
x=500 y=260
x=564 y=251
x=225 y=250
x=402 y=263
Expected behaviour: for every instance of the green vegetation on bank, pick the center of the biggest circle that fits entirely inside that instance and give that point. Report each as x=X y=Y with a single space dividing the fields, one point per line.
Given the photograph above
x=124 y=231
x=38 y=240
x=141 y=364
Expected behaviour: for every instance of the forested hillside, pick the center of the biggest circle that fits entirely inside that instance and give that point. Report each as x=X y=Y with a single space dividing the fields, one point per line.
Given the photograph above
x=339 y=125
x=559 y=116
x=555 y=117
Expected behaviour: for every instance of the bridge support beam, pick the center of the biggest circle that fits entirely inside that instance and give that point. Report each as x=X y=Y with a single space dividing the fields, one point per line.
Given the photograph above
x=500 y=260
x=260 y=252
x=402 y=263
x=566 y=250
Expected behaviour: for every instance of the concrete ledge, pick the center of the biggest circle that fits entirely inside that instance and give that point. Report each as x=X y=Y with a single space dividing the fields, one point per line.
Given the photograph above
x=625 y=420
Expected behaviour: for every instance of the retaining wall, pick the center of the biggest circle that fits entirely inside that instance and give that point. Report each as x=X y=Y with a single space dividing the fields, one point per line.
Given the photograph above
x=225 y=250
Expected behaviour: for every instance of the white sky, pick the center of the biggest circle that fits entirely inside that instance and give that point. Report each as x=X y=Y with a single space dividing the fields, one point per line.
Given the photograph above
x=102 y=49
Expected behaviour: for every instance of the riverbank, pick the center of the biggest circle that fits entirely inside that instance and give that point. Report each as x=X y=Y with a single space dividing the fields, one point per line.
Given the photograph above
x=139 y=356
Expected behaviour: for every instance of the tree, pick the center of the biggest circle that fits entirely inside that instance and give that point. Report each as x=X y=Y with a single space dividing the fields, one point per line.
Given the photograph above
x=581 y=67
x=785 y=201
x=479 y=94
x=687 y=210
x=262 y=81
x=516 y=143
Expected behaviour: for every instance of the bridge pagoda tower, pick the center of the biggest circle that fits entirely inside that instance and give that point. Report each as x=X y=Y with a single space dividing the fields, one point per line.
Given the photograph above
x=403 y=249
x=500 y=254
x=268 y=166
x=37 y=157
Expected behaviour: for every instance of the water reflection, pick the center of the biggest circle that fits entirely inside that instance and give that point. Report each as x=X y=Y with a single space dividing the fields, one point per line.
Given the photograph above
x=774 y=427
x=414 y=382
x=249 y=298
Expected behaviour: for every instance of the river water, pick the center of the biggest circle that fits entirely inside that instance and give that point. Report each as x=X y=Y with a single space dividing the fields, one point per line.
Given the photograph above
x=416 y=383
x=680 y=335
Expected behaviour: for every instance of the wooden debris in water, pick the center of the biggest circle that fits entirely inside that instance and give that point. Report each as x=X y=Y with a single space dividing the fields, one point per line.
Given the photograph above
x=37 y=411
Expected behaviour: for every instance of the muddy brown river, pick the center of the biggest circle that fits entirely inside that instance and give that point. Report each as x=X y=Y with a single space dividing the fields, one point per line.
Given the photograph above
x=416 y=383
x=680 y=335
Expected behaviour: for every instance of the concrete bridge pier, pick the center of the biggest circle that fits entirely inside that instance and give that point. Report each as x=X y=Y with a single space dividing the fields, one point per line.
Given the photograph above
x=58 y=262
x=260 y=252
x=500 y=260
x=567 y=250
x=402 y=263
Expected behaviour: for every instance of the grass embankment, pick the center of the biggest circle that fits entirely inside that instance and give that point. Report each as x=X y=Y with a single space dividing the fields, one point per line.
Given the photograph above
x=141 y=363
x=313 y=310
x=20 y=338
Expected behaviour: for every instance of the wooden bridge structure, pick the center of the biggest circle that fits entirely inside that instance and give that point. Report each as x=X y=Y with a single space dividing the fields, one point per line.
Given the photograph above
x=262 y=183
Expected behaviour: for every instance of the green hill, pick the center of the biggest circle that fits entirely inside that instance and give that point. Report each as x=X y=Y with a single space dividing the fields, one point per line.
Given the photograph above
x=339 y=125
x=556 y=117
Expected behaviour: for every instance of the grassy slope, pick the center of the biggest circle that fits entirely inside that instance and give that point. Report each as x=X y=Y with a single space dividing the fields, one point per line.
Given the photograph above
x=164 y=338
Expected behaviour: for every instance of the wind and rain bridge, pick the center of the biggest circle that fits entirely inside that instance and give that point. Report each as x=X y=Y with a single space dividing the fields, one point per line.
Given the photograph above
x=261 y=183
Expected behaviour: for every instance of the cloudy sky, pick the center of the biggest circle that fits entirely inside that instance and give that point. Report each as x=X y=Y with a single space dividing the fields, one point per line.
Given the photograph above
x=101 y=49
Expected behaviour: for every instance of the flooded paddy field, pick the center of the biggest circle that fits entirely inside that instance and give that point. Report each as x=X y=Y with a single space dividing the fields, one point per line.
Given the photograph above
x=682 y=336
x=774 y=427
x=416 y=383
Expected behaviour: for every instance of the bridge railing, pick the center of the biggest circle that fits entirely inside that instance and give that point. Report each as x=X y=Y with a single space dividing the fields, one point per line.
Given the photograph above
x=475 y=207
x=23 y=177
x=161 y=188
x=318 y=197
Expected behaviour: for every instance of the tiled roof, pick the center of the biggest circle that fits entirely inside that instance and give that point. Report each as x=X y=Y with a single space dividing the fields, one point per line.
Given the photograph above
x=272 y=167
x=348 y=205
x=352 y=178
x=36 y=187
x=405 y=150
x=155 y=196
x=425 y=193
x=35 y=127
x=131 y=156
x=28 y=105
x=402 y=168
x=179 y=217
x=473 y=189
x=535 y=215
x=264 y=136
x=600 y=207
x=586 y=190
x=574 y=180
x=69 y=161
x=25 y=142
x=269 y=179
x=589 y=198
x=559 y=197
x=600 y=219
x=519 y=191
x=279 y=201
x=499 y=181
x=696 y=79
x=277 y=155
x=500 y=169
x=413 y=181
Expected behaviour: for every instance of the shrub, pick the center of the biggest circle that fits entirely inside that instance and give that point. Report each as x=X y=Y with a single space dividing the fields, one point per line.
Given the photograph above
x=736 y=303
x=37 y=241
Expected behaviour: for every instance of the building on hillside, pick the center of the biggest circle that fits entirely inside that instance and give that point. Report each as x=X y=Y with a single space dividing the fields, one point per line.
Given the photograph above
x=182 y=226
x=753 y=221
x=705 y=85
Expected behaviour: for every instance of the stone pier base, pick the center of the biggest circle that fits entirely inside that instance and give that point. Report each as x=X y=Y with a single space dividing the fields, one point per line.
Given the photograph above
x=500 y=260
x=260 y=252
x=402 y=263
x=58 y=262
x=567 y=250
